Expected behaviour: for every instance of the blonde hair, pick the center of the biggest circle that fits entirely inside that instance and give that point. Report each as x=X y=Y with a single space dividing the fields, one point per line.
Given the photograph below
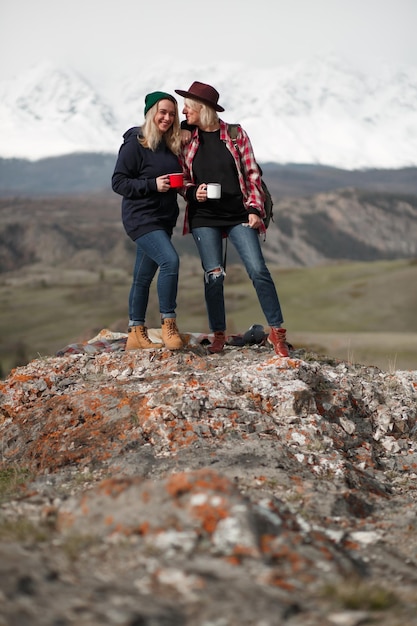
x=152 y=135
x=208 y=116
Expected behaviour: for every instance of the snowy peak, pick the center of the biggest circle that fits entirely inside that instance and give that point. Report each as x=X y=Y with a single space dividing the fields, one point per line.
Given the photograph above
x=316 y=111
x=47 y=93
x=47 y=111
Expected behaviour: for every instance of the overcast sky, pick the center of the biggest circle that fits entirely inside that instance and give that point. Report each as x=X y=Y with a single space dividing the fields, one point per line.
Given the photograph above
x=103 y=39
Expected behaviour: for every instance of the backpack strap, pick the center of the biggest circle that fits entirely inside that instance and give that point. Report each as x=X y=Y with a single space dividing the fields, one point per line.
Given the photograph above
x=232 y=130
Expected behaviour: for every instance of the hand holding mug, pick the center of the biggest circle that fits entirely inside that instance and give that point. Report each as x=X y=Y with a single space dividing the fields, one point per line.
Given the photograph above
x=208 y=191
x=201 y=193
x=162 y=183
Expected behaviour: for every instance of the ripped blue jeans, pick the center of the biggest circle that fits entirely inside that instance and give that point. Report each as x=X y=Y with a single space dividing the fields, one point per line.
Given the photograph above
x=209 y=241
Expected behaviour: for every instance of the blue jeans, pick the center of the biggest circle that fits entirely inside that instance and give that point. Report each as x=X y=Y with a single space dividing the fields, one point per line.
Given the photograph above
x=209 y=242
x=154 y=250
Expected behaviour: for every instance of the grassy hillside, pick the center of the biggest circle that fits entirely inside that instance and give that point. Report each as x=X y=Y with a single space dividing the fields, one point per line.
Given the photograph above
x=361 y=312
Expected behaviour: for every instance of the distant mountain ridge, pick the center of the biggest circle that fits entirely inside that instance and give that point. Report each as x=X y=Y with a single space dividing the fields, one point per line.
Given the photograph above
x=91 y=173
x=85 y=231
x=319 y=111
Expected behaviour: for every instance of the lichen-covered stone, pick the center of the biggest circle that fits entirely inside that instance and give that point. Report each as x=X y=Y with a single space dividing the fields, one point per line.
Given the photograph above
x=229 y=489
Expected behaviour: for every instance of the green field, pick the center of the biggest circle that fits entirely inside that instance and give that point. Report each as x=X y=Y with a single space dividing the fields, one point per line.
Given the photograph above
x=358 y=312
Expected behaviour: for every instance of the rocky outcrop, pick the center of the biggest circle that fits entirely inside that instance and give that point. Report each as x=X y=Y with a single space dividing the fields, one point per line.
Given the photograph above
x=184 y=488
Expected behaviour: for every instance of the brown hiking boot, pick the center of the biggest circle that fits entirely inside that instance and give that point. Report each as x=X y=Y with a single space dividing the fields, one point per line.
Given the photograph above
x=170 y=335
x=137 y=339
x=278 y=338
x=218 y=342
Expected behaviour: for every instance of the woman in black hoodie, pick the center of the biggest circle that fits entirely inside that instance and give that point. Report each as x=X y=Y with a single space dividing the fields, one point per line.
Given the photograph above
x=150 y=210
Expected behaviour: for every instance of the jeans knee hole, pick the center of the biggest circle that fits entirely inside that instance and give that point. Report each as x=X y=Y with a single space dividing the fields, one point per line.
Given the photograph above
x=215 y=274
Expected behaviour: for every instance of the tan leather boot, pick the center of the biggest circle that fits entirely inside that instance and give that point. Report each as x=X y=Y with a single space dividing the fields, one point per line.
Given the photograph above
x=170 y=335
x=218 y=342
x=278 y=338
x=137 y=339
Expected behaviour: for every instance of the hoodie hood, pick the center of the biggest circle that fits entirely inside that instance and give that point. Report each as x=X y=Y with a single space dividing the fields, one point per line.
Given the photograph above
x=132 y=132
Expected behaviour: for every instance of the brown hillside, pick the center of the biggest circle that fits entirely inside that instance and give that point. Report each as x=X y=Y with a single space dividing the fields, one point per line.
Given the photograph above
x=84 y=231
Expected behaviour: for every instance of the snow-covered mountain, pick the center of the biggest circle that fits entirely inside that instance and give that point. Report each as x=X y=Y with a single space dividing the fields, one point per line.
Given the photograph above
x=319 y=111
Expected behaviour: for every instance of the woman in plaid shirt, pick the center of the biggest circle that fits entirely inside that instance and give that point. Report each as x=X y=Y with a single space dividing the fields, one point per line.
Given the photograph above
x=211 y=155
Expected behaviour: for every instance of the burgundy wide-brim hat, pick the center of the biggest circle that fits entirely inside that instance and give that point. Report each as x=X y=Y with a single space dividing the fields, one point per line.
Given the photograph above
x=203 y=92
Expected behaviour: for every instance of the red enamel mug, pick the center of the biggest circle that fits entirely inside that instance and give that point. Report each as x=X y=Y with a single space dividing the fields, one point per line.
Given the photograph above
x=176 y=180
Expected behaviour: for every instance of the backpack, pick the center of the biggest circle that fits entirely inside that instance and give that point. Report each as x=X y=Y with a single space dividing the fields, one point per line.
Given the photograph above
x=268 y=203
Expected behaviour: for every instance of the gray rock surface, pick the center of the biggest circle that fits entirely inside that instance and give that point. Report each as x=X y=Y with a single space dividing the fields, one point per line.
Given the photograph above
x=157 y=489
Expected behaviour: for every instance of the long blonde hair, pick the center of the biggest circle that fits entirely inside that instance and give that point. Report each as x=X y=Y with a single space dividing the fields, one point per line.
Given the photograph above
x=152 y=135
x=208 y=116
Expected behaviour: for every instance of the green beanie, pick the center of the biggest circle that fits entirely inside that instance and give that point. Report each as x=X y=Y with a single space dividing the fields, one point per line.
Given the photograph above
x=154 y=97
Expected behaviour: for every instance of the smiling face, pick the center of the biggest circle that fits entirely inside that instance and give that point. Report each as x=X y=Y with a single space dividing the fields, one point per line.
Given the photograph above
x=191 y=111
x=165 y=115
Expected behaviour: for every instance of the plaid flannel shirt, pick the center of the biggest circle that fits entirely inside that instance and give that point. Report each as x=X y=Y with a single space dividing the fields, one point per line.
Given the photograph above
x=247 y=169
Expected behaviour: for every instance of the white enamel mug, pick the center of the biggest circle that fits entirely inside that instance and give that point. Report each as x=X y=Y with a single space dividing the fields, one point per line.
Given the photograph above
x=214 y=191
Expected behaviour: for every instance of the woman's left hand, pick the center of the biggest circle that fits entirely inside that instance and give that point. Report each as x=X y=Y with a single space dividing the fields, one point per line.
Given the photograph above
x=185 y=136
x=254 y=221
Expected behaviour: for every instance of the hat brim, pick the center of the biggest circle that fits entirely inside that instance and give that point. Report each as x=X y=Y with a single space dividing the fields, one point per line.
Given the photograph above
x=192 y=96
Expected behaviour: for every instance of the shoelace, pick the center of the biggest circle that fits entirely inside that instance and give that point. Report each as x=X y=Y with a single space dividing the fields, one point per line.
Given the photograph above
x=172 y=329
x=144 y=334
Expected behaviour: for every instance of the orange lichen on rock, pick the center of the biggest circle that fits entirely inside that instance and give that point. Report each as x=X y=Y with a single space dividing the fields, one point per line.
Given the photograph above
x=233 y=560
x=113 y=487
x=276 y=580
x=143 y=529
x=180 y=434
x=351 y=545
x=240 y=551
x=177 y=484
x=205 y=479
x=210 y=512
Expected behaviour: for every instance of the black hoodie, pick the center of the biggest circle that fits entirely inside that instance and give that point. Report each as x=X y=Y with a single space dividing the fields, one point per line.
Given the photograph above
x=145 y=209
